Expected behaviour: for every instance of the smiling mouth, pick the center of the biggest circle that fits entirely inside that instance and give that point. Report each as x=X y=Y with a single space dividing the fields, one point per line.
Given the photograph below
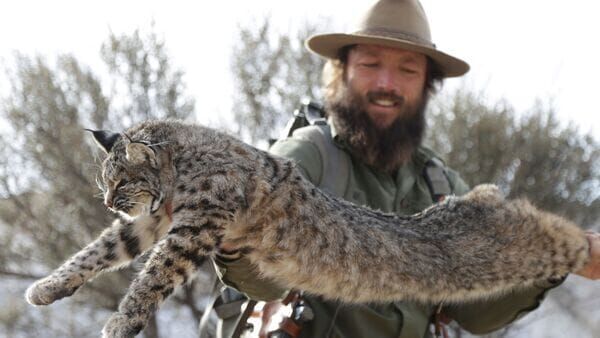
x=385 y=103
x=385 y=100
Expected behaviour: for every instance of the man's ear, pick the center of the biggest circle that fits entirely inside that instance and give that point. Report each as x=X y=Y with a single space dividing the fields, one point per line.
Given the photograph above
x=105 y=139
x=139 y=153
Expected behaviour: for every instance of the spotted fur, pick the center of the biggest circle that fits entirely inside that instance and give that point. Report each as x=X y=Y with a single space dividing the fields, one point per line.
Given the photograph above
x=183 y=189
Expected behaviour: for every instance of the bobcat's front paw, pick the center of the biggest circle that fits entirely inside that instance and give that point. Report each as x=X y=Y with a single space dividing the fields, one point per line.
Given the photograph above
x=48 y=290
x=121 y=326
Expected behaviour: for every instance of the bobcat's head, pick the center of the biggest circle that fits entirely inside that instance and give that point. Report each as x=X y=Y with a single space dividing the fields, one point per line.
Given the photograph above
x=131 y=174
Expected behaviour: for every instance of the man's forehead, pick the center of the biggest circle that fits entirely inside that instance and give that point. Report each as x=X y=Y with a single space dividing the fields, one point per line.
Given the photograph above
x=377 y=50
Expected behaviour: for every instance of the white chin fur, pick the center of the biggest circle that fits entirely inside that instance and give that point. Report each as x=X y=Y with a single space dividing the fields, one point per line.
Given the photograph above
x=156 y=203
x=127 y=216
x=138 y=210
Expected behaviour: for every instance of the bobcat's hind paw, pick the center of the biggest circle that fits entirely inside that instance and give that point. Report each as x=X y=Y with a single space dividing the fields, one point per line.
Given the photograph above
x=121 y=326
x=486 y=194
x=48 y=290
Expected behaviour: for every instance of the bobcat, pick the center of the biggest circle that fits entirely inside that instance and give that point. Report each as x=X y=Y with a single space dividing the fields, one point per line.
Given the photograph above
x=182 y=189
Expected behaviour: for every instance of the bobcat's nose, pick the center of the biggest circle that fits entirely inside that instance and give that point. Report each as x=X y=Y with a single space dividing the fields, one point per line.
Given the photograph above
x=108 y=200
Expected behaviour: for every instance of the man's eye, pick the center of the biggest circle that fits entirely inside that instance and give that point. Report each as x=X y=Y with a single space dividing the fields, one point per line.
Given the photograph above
x=408 y=70
x=369 y=64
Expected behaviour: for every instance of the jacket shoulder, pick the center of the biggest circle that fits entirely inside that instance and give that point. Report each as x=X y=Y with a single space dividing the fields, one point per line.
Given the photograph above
x=325 y=163
x=304 y=152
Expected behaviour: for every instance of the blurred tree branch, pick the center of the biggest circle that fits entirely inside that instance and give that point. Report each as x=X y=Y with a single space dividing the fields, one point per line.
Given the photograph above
x=272 y=72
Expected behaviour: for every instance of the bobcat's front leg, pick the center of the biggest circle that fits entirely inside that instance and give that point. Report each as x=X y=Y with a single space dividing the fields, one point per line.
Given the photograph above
x=117 y=245
x=174 y=260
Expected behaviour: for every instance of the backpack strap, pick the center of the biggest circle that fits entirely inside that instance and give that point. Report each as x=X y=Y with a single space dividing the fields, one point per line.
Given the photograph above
x=437 y=179
x=309 y=123
x=435 y=174
x=336 y=163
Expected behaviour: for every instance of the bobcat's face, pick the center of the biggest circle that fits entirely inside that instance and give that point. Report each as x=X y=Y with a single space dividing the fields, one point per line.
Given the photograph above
x=130 y=189
x=130 y=174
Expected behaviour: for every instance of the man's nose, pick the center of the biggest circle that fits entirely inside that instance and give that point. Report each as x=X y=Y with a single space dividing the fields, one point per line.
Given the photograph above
x=386 y=80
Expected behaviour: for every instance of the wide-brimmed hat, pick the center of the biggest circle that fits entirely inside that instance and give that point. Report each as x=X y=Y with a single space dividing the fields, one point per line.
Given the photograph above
x=392 y=23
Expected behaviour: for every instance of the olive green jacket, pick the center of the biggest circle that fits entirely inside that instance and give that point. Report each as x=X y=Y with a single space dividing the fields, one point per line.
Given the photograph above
x=404 y=193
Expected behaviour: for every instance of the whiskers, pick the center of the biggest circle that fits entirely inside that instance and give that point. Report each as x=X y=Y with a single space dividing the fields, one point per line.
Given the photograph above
x=131 y=140
x=158 y=143
x=126 y=206
x=100 y=184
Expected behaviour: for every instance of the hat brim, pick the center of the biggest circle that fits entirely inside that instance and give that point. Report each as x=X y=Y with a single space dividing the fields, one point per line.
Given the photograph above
x=328 y=45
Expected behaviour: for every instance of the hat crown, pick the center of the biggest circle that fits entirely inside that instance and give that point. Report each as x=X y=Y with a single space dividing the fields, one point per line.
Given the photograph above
x=398 y=24
x=404 y=19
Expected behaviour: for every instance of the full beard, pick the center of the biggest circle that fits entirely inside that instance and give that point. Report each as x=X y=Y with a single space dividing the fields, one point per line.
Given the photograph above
x=385 y=149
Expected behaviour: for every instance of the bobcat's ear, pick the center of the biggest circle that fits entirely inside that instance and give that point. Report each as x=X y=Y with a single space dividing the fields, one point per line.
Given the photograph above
x=105 y=139
x=139 y=153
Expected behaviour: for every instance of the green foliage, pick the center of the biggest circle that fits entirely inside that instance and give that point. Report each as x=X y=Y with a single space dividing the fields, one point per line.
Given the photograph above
x=144 y=85
x=530 y=154
x=272 y=72
x=467 y=130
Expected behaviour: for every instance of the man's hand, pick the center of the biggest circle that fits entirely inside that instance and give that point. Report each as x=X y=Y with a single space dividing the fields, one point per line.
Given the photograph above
x=592 y=269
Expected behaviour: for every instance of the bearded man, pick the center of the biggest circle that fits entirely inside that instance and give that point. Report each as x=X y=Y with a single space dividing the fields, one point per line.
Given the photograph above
x=377 y=81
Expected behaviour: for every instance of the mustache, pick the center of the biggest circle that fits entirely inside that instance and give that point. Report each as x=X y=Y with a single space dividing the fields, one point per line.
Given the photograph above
x=398 y=100
x=386 y=149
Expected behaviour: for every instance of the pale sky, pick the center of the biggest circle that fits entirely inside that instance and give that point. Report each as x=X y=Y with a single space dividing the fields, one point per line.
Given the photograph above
x=519 y=50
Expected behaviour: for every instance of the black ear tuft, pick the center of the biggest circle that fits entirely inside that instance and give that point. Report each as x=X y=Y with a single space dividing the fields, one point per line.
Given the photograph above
x=105 y=139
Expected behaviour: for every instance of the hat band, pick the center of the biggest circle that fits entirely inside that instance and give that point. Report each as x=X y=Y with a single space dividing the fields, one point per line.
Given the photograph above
x=388 y=33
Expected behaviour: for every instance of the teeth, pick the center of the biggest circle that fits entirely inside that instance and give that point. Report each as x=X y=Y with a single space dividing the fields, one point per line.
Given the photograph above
x=385 y=103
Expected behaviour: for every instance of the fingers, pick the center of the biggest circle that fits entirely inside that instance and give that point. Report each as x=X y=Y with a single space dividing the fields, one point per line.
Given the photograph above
x=592 y=269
